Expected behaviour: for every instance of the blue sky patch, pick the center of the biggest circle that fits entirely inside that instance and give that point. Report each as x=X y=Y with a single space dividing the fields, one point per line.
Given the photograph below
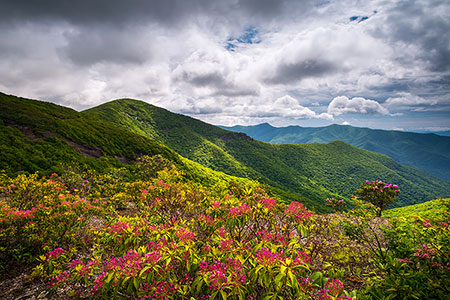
x=249 y=36
x=358 y=18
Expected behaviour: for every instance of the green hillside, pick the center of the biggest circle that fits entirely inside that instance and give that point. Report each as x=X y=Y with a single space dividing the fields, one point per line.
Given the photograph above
x=438 y=210
x=37 y=136
x=427 y=152
x=311 y=171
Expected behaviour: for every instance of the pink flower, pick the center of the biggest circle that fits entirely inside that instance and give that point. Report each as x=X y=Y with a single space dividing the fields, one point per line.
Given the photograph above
x=241 y=210
x=185 y=235
x=55 y=253
x=297 y=211
x=266 y=257
x=269 y=203
x=404 y=260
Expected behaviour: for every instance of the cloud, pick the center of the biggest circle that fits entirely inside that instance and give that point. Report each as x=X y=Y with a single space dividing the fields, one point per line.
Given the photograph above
x=91 y=46
x=292 y=72
x=418 y=31
x=233 y=60
x=409 y=101
x=357 y=105
x=170 y=13
x=287 y=107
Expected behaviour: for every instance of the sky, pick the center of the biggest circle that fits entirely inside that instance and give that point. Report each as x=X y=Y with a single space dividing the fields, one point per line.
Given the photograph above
x=378 y=64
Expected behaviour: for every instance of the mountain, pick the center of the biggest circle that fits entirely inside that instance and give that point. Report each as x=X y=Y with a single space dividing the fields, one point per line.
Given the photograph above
x=37 y=136
x=427 y=152
x=312 y=172
x=441 y=133
x=41 y=136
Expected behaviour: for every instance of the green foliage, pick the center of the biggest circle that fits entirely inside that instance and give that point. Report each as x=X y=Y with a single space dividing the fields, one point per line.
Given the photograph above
x=113 y=235
x=39 y=214
x=148 y=167
x=378 y=193
x=437 y=210
x=37 y=136
x=417 y=263
x=427 y=152
x=307 y=173
x=177 y=239
x=409 y=255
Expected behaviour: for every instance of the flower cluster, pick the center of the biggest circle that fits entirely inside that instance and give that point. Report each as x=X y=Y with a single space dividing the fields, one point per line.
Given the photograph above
x=269 y=203
x=424 y=252
x=185 y=235
x=222 y=275
x=267 y=257
x=55 y=253
x=168 y=239
x=335 y=204
x=297 y=211
x=243 y=209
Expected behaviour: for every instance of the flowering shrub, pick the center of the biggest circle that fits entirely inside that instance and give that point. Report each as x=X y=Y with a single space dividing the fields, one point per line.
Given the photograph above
x=417 y=262
x=378 y=193
x=164 y=238
x=336 y=205
x=37 y=215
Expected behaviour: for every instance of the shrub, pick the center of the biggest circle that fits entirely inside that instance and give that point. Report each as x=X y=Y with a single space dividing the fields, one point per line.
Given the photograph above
x=378 y=193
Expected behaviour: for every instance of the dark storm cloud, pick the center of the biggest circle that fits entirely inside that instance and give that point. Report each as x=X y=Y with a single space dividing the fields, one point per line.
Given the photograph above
x=411 y=23
x=96 y=11
x=167 y=12
x=202 y=80
x=226 y=59
x=424 y=87
x=87 y=47
x=292 y=72
x=217 y=82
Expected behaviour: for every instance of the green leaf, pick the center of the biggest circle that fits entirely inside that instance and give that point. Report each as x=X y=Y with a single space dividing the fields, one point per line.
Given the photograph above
x=292 y=278
x=317 y=277
x=278 y=279
x=136 y=283
x=143 y=270
x=109 y=277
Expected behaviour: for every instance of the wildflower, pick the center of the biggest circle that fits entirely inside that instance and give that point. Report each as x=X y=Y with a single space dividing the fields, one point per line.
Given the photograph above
x=297 y=211
x=269 y=203
x=185 y=235
x=55 y=253
x=266 y=257
x=427 y=223
x=334 y=287
x=424 y=252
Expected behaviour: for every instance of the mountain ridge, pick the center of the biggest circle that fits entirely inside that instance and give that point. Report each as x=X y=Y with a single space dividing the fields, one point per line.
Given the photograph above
x=425 y=151
x=37 y=136
x=296 y=168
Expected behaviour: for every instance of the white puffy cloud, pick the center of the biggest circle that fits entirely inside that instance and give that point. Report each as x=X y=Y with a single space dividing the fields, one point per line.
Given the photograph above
x=357 y=105
x=287 y=107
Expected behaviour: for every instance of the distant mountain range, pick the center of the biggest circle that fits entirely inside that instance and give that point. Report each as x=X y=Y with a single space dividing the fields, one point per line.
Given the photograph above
x=427 y=152
x=37 y=136
x=312 y=172
x=442 y=133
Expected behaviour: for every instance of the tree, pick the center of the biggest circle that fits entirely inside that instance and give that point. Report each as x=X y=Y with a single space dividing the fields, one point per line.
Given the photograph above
x=378 y=193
